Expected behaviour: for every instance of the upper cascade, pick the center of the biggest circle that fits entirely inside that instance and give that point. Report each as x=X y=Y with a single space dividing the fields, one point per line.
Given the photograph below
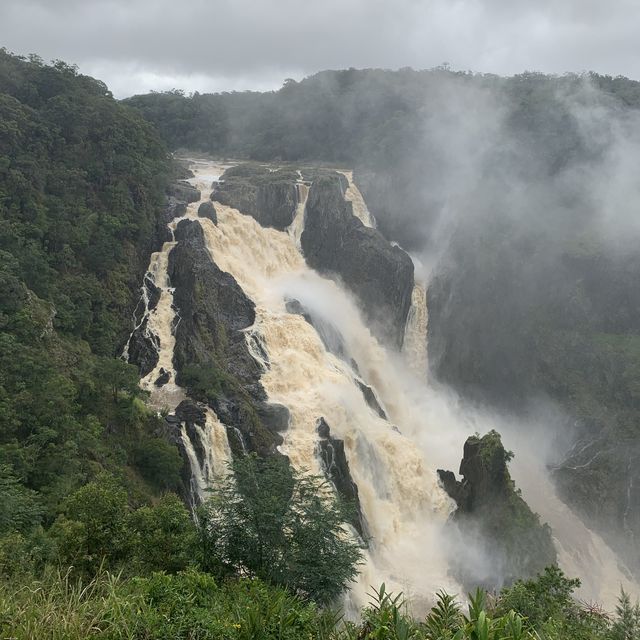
x=331 y=223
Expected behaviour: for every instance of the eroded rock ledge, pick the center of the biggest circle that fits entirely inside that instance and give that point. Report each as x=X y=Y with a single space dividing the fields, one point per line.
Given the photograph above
x=271 y=197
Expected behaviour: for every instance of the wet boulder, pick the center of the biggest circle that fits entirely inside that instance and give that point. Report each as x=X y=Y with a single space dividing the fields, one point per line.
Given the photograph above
x=207 y=210
x=336 y=467
x=184 y=191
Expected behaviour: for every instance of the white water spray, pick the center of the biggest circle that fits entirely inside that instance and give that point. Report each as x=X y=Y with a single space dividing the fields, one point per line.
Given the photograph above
x=402 y=502
x=360 y=209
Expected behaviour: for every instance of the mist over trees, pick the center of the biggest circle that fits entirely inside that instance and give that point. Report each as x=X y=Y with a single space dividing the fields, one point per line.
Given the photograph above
x=520 y=198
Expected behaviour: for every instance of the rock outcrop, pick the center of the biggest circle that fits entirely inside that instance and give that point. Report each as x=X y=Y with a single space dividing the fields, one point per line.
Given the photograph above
x=207 y=210
x=143 y=349
x=380 y=275
x=271 y=197
x=492 y=514
x=211 y=356
x=184 y=191
x=336 y=468
x=188 y=413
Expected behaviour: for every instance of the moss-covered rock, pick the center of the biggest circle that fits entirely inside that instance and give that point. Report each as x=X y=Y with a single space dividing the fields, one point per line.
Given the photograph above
x=492 y=514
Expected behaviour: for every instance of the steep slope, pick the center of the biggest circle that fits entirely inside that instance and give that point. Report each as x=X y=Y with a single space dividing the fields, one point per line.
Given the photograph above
x=82 y=182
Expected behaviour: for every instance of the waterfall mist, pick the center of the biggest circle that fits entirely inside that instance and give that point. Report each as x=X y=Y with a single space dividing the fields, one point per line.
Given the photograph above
x=318 y=362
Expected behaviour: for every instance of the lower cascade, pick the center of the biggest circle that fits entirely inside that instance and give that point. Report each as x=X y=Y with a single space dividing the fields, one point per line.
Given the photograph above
x=320 y=361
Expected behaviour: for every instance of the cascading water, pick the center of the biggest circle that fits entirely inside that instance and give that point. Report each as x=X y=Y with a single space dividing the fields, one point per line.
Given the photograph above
x=403 y=505
x=414 y=346
x=581 y=551
x=159 y=327
x=391 y=460
x=360 y=209
x=297 y=226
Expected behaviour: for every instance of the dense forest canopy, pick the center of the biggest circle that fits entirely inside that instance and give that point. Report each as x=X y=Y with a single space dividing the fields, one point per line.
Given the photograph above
x=82 y=181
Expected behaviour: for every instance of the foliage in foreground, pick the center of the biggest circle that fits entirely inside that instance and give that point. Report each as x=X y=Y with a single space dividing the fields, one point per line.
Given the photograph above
x=188 y=605
x=192 y=605
x=281 y=526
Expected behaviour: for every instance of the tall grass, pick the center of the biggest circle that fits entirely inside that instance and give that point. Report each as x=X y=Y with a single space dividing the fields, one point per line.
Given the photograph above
x=59 y=607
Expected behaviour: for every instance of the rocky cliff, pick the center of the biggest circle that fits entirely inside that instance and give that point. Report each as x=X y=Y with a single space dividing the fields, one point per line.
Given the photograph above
x=336 y=242
x=211 y=356
x=491 y=514
x=270 y=196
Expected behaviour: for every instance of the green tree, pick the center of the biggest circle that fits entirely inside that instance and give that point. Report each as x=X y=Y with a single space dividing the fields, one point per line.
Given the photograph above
x=93 y=528
x=20 y=509
x=268 y=521
x=627 y=623
x=163 y=537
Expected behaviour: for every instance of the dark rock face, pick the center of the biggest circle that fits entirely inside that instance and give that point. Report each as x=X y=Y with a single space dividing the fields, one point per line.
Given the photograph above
x=163 y=378
x=380 y=275
x=153 y=292
x=143 y=350
x=207 y=210
x=211 y=356
x=182 y=190
x=336 y=467
x=271 y=197
x=371 y=399
x=276 y=203
x=492 y=514
x=174 y=208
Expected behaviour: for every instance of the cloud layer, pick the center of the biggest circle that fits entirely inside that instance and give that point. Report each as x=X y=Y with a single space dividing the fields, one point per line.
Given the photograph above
x=216 y=45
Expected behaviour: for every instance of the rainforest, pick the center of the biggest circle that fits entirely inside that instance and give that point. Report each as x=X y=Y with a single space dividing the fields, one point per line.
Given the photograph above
x=355 y=358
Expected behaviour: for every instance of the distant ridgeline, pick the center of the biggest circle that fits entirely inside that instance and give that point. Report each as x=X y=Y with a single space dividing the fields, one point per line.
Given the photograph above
x=82 y=183
x=523 y=190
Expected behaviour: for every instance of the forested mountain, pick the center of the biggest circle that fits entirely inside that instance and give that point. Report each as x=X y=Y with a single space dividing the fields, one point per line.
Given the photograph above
x=82 y=181
x=267 y=313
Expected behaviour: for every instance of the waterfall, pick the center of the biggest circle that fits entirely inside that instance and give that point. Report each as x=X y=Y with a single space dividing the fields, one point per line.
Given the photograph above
x=214 y=443
x=391 y=460
x=415 y=335
x=161 y=322
x=360 y=209
x=403 y=504
x=297 y=226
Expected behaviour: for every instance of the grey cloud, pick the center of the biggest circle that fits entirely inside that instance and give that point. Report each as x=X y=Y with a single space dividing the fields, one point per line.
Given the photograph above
x=229 y=44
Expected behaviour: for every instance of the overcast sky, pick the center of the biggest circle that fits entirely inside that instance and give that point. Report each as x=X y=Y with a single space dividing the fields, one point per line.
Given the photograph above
x=217 y=45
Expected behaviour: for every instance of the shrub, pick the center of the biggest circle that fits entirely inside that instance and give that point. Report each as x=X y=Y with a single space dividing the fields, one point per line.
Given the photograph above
x=286 y=528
